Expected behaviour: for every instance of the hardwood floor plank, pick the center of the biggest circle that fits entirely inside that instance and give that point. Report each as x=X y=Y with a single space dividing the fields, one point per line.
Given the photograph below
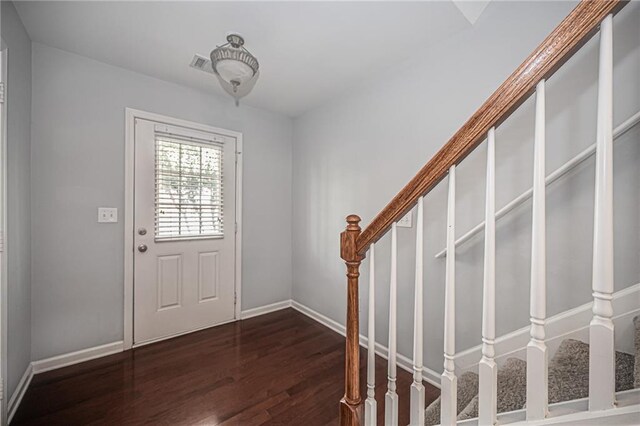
x=277 y=369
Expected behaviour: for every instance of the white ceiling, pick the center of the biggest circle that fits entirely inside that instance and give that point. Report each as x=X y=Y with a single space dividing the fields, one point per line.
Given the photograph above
x=309 y=52
x=471 y=9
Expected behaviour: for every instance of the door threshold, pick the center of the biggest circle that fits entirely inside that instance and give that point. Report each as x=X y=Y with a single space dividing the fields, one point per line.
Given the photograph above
x=171 y=336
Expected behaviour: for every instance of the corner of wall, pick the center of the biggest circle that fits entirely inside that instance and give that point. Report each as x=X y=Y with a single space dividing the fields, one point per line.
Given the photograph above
x=18 y=196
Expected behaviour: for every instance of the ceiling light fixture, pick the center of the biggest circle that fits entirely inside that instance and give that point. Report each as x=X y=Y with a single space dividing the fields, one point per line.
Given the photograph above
x=234 y=64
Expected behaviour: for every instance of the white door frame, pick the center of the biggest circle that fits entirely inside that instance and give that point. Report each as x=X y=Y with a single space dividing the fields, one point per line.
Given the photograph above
x=129 y=167
x=4 y=397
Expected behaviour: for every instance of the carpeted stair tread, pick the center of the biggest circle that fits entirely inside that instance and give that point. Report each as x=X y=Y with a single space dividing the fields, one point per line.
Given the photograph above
x=512 y=389
x=636 y=369
x=470 y=410
x=568 y=377
x=569 y=372
x=467 y=389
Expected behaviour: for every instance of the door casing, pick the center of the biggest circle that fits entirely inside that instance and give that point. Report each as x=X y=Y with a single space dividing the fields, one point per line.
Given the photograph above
x=130 y=116
x=4 y=398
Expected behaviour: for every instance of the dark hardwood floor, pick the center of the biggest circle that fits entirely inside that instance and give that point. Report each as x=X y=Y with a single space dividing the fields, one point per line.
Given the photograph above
x=280 y=369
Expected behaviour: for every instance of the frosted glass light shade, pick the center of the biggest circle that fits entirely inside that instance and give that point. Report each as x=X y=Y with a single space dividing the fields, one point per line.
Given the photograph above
x=232 y=70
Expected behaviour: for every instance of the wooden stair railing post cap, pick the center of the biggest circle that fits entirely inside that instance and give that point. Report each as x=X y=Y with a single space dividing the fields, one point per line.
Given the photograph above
x=349 y=240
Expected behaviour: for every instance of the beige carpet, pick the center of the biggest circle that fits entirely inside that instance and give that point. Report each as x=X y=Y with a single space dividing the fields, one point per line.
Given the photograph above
x=467 y=389
x=568 y=379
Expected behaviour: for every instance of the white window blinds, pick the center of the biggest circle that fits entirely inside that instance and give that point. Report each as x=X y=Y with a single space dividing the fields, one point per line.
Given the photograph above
x=189 y=198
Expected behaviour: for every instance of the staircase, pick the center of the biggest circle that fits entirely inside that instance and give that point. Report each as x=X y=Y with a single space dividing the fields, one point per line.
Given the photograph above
x=581 y=383
x=568 y=380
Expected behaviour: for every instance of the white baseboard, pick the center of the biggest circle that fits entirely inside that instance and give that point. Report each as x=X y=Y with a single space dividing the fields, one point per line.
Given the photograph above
x=77 y=357
x=403 y=361
x=19 y=392
x=261 y=310
x=88 y=354
x=570 y=323
x=318 y=317
x=573 y=323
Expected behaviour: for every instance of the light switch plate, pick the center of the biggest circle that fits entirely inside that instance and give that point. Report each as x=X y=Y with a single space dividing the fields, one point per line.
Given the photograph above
x=406 y=221
x=107 y=215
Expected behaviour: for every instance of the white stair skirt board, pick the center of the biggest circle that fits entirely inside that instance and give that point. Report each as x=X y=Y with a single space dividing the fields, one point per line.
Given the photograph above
x=18 y=394
x=404 y=362
x=576 y=413
x=573 y=323
x=77 y=357
x=266 y=309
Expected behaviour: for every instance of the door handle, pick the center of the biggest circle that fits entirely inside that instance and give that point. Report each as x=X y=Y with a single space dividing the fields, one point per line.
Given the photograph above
x=142 y=248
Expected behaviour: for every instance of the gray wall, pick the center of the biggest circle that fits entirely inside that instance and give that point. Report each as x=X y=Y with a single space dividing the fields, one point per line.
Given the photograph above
x=19 y=205
x=391 y=125
x=78 y=165
x=354 y=154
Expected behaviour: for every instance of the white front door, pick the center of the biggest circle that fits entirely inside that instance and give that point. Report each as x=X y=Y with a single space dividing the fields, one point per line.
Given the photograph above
x=184 y=225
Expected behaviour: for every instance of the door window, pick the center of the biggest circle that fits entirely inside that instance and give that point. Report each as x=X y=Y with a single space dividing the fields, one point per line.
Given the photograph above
x=188 y=189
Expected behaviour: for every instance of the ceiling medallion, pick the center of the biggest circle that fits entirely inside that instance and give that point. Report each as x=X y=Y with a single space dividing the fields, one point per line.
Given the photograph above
x=235 y=65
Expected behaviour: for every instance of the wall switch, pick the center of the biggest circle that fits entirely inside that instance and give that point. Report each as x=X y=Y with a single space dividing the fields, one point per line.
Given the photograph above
x=107 y=215
x=406 y=221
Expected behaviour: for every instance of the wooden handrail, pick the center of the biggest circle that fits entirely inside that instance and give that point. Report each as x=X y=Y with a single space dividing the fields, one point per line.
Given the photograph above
x=575 y=30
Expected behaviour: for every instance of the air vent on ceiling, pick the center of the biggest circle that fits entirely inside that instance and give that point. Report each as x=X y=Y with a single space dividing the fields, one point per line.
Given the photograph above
x=201 y=63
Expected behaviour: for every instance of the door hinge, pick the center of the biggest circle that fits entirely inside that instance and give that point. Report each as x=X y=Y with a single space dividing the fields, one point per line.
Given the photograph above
x=2 y=92
x=236 y=228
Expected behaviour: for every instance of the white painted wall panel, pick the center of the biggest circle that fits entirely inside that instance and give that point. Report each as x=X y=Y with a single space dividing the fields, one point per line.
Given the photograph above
x=208 y=275
x=169 y=281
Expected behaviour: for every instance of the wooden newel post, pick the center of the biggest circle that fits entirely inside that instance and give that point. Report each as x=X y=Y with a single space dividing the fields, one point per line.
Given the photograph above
x=351 y=403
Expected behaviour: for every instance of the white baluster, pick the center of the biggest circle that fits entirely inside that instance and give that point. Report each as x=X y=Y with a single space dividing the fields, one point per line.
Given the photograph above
x=488 y=370
x=449 y=384
x=417 y=388
x=537 y=388
x=391 y=397
x=370 y=407
x=601 y=336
